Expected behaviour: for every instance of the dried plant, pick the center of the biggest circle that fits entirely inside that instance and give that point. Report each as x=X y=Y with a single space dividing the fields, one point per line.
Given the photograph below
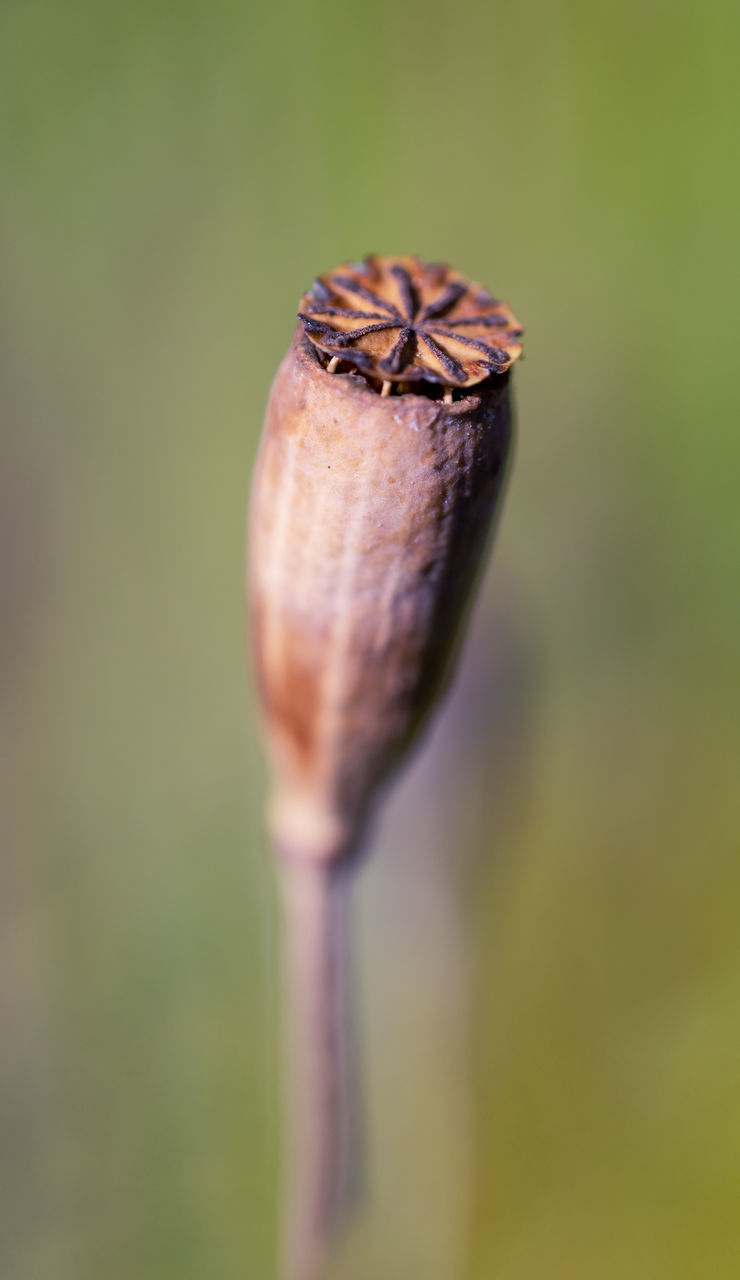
x=384 y=449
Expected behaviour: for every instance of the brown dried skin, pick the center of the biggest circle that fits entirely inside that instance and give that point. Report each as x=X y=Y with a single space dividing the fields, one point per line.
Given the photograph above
x=368 y=520
x=407 y=320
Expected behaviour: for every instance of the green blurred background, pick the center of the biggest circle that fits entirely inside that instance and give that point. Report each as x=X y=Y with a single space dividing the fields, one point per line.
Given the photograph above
x=549 y=963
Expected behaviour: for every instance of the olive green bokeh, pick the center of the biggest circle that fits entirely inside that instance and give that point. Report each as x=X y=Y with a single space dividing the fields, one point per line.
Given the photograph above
x=550 y=965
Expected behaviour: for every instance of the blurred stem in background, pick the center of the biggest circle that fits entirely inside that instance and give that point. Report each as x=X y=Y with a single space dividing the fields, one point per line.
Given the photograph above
x=321 y=1141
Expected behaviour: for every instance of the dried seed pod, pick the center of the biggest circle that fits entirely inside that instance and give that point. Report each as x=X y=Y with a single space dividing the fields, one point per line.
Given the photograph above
x=382 y=458
x=369 y=516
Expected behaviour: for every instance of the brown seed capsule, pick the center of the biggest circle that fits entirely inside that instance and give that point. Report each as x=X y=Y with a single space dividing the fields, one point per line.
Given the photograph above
x=383 y=454
x=369 y=517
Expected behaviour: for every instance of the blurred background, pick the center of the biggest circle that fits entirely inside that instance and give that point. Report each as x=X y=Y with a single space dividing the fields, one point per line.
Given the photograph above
x=548 y=952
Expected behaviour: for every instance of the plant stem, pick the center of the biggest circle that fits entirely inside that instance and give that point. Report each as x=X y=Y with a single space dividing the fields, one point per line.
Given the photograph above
x=321 y=1111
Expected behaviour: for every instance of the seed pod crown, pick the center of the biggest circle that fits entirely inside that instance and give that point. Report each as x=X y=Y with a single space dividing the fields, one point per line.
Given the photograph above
x=406 y=320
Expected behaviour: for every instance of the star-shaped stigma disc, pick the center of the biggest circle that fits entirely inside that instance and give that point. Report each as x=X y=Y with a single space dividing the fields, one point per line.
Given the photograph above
x=404 y=320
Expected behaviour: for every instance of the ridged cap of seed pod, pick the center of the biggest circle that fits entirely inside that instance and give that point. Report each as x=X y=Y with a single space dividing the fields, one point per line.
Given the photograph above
x=405 y=320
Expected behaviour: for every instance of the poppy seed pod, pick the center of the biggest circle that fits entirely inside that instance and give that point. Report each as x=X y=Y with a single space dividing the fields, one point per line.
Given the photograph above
x=384 y=450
